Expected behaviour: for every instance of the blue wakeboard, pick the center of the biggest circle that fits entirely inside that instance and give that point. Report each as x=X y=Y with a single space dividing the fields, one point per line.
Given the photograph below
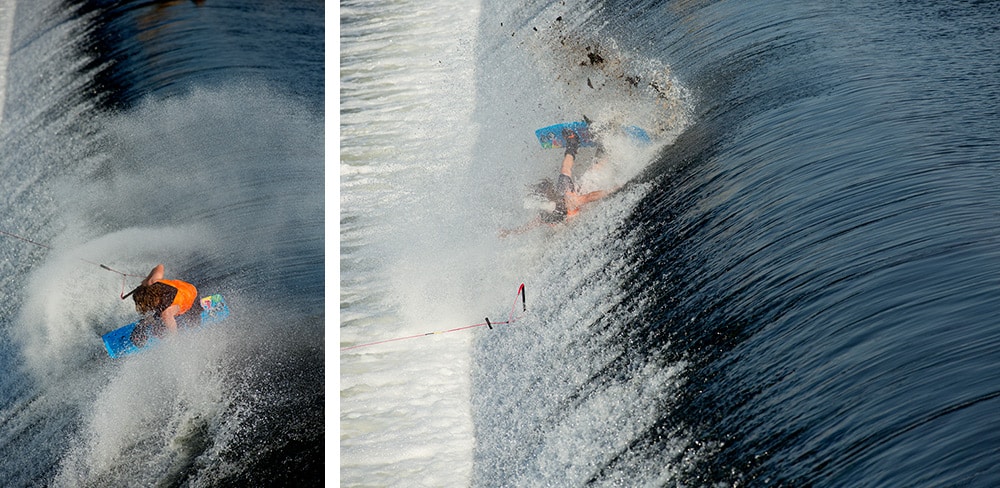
x=551 y=136
x=119 y=341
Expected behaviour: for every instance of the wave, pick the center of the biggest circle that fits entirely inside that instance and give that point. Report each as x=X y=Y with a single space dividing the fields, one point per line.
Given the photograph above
x=762 y=312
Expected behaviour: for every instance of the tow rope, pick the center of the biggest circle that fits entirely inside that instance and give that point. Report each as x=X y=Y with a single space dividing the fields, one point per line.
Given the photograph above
x=510 y=320
x=102 y=266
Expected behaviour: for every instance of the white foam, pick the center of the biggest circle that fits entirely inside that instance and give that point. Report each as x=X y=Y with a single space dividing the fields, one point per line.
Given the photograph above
x=421 y=208
x=406 y=122
x=178 y=388
x=7 y=9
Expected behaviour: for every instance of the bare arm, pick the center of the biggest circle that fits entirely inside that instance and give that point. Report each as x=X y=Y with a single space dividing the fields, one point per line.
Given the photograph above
x=577 y=200
x=169 y=318
x=522 y=229
x=155 y=275
x=592 y=196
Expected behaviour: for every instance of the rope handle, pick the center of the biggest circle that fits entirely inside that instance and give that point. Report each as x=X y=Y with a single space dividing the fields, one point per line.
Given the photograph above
x=510 y=320
x=125 y=275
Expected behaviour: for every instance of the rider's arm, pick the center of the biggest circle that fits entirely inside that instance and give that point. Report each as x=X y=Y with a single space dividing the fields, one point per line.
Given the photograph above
x=168 y=317
x=155 y=275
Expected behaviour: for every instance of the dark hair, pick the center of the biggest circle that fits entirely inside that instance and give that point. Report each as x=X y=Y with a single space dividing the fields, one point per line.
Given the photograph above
x=145 y=300
x=153 y=298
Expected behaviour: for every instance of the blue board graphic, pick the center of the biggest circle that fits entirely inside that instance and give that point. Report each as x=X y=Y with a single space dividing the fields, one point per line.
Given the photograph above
x=119 y=341
x=551 y=136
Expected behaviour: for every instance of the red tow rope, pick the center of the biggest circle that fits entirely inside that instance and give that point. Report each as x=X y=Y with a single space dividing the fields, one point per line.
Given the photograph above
x=510 y=320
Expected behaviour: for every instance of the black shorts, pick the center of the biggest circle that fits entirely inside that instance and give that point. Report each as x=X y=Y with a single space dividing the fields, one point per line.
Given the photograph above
x=565 y=184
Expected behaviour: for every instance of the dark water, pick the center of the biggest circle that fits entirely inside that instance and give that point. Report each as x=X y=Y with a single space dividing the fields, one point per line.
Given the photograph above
x=806 y=293
x=176 y=132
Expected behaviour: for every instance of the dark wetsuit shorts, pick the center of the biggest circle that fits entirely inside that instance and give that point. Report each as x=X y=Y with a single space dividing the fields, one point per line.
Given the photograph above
x=565 y=184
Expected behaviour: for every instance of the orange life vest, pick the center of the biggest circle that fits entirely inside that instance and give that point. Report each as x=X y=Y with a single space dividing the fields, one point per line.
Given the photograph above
x=187 y=294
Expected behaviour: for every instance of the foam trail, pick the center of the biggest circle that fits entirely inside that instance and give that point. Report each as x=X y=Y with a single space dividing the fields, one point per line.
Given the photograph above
x=407 y=85
x=7 y=8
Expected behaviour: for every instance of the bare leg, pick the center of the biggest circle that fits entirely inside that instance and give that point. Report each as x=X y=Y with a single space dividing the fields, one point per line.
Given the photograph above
x=572 y=143
x=567 y=165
